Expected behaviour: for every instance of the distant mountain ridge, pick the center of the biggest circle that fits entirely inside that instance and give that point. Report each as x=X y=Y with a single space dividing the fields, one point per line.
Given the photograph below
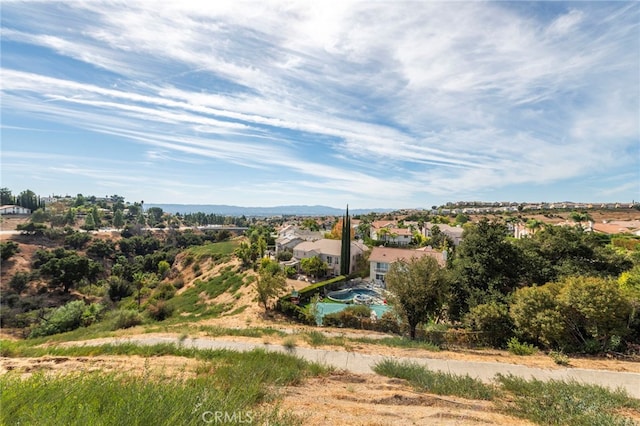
x=223 y=209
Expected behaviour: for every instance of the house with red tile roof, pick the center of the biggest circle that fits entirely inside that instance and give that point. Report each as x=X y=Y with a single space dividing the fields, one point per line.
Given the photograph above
x=381 y=258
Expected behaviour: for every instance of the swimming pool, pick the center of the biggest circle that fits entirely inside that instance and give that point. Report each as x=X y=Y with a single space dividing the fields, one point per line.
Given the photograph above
x=330 y=308
x=347 y=295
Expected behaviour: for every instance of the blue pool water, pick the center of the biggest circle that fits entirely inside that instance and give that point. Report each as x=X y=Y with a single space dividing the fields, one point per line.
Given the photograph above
x=330 y=308
x=348 y=294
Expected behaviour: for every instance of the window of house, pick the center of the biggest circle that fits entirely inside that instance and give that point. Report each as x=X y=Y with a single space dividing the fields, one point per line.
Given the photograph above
x=329 y=260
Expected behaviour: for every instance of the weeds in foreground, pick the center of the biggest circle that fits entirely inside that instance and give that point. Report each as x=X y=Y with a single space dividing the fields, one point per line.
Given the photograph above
x=227 y=381
x=559 y=358
x=439 y=383
x=289 y=343
x=544 y=402
x=518 y=348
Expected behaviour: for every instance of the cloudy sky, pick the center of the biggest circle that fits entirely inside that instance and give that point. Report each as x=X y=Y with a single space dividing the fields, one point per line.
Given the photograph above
x=376 y=104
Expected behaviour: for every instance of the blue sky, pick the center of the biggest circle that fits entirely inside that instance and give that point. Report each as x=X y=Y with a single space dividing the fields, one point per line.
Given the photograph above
x=374 y=104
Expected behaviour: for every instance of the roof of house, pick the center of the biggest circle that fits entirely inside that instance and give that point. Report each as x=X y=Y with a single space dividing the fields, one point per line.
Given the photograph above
x=447 y=229
x=390 y=255
x=611 y=228
x=384 y=224
x=7 y=206
x=327 y=246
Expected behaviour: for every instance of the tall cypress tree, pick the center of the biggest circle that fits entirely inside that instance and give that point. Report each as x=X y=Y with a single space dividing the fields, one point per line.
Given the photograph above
x=345 y=252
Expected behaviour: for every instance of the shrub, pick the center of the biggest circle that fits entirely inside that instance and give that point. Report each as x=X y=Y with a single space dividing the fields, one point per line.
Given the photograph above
x=492 y=321
x=165 y=291
x=163 y=268
x=178 y=283
x=66 y=318
x=559 y=358
x=160 y=310
x=351 y=317
x=8 y=249
x=126 y=318
x=19 y=281
x=387 y=323
x=518 y=348
x=119 y=288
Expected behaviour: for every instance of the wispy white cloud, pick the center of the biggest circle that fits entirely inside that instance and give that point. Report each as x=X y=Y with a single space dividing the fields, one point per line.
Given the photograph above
x=381 y=101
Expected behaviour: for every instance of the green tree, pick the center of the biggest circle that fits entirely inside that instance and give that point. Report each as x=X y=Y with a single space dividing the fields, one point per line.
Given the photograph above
x=118 y=219
x=6 y=197
x=537 y=315
x=462 y=219
x=70 y=217
x=8 y=249
x=418 y=289
x=310 y=224
x=89 y=223
x=29 y=199
x=595 y=308
x=40 y=216
x=67 y=269
x=487 y=267
x=269 y=285
x=97 y=220
x=345 y=248
x=155 y=215
x=262 y=246
x=314 y=266
x=243 y=252
x=79 y=201
x=163 y=268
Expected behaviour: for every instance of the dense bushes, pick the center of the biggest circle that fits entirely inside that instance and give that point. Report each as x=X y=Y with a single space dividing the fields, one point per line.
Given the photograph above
x=576 y=314
x=492 y=322
x=68 y=317
x=8 y=249
x=350 y=317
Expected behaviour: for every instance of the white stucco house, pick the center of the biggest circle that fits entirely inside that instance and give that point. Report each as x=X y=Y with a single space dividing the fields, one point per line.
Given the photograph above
x=12 y=209
x=329 y=251
x=390 y=232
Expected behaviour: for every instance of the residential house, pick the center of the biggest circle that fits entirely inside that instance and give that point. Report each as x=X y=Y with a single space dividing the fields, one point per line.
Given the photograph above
x=290 y=236
x=12 y=209
x=329 y=251
x=381 y=258
x=453 y=232
x=390 y=232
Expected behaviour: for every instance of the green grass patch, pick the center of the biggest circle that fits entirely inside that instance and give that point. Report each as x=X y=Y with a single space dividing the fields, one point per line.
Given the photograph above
x=553 y=402
x=565 y=403
x=518 y=348
x=399 y=342
x=424 y=380
x=213 y=250
x=191 y=302
x=213 y=331
x=228 y=381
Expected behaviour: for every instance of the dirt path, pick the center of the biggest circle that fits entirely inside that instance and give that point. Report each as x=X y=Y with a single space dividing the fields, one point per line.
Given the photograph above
x=362 y=363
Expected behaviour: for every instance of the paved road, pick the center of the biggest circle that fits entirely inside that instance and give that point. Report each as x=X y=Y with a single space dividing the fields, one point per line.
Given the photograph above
x=362 y=363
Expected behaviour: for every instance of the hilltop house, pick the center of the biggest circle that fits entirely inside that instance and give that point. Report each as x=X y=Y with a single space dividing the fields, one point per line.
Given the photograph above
x=328 y=251
x=12 y=209
x=381 y=259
